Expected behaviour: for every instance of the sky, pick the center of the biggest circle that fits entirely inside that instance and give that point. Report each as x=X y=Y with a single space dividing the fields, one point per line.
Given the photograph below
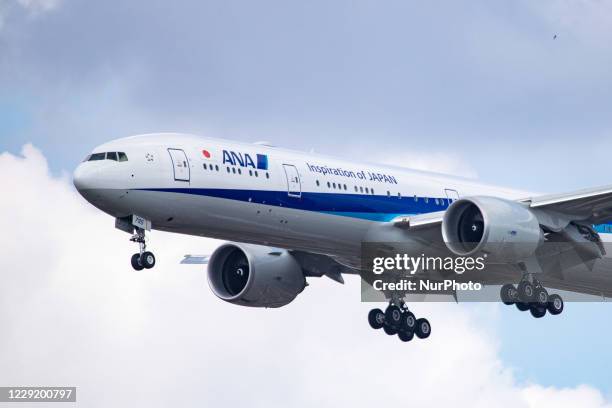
x=73 y=312
x=479 y=89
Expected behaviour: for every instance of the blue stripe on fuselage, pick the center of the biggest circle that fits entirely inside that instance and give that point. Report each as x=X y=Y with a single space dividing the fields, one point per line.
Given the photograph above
x=363 y=206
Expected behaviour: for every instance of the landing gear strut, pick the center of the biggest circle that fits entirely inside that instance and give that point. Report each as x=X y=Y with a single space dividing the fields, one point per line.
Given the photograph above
x=530 y=295
x=143 y=259
x=397 y=319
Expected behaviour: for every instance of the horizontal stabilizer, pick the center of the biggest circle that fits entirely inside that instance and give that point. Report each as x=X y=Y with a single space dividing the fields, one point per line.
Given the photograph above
x=195 y=260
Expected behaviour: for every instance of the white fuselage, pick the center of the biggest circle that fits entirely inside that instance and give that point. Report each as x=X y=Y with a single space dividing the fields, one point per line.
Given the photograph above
x=264 y=195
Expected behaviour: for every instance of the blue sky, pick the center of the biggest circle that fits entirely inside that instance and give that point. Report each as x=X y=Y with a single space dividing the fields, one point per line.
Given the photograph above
x=483 y=83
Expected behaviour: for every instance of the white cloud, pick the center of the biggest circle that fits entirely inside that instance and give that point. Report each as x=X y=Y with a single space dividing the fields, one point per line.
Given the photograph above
x=37 y=6
x=73 y=312
x=33 y=8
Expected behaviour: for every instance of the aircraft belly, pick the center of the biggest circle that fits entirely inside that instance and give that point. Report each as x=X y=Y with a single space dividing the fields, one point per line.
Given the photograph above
x=250 y=222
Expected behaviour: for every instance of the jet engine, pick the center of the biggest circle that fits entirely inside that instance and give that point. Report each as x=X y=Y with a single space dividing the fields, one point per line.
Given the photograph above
x=253 y=275
x=505 y=230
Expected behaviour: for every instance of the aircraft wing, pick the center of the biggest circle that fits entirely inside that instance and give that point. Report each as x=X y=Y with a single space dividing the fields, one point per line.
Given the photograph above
x=592 y=205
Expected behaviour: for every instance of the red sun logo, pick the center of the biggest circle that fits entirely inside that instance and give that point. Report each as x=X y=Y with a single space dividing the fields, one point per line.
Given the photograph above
x=206 y=153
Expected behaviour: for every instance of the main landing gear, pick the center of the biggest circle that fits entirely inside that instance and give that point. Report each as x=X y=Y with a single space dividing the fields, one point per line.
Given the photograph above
x=397 y=319
x=143 y=259
x=531 y=295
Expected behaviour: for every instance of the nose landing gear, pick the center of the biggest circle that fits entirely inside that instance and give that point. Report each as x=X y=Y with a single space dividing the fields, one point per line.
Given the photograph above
x=143 y=259
x=397 y=319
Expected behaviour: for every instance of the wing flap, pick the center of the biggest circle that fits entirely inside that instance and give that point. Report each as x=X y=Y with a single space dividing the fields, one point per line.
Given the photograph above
x=593 y=205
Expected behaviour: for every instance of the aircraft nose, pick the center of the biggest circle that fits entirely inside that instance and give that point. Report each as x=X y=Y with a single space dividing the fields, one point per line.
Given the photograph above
x=83 y=178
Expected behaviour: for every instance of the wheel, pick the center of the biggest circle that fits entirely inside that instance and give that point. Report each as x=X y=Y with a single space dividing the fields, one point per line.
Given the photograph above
x=408 y=321
x=136 y=262
x=522 y=306
x=555 y=304
x=423 y=328
x=526 y=291
x=389 y=330
x=537 y=311
x=541 y=297
x=393 y=316
x=405 y=335
x=147 y=260
x=508 y=294
x=376 y=318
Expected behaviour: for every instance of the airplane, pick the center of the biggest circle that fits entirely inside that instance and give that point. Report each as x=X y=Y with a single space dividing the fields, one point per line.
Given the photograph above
x=288 y=215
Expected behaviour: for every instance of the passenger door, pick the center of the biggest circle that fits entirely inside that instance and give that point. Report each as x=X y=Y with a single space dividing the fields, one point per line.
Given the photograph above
x=180 y=163
x=451 y=194
x=294 y=185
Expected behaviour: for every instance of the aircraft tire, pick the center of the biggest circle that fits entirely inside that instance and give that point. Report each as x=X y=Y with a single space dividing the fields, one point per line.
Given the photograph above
x=423 y=328
x=541 y=297
x=508 y=294
x=555 y=304
x=522 y=306
x=393 y=316
x=148 y=260
x=408 y=322
x=136 y=262
x=376 y=318
x=405 y=336
x=537 y=311
x=526 y=291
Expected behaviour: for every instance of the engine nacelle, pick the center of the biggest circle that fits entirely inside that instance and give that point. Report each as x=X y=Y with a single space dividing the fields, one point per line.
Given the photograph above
x=253 y=275
x=506 y=230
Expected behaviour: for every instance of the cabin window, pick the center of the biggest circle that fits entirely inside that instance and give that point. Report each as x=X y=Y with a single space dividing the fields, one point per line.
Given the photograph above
x=234 y=170
x=361 y=189
x=267 y=175
x=204 y=166
x=239 y=171
x=256 y=173
x=345 y=187
x=228 y=169
x=328 y=185
x=318 y=184
x=399 y=195
x=416 y=198
x=97 y=156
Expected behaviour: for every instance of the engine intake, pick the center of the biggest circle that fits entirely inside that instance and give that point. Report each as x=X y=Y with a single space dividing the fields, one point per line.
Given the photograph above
x=252 y=275
x=504 y=229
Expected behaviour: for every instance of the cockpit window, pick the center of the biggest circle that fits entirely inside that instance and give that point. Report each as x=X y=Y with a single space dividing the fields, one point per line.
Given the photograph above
x=115 y=156
x=97 y=156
